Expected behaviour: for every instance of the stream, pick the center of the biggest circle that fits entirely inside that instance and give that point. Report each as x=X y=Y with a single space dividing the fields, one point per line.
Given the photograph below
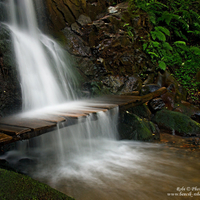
x=103 y=168
x=86 y=160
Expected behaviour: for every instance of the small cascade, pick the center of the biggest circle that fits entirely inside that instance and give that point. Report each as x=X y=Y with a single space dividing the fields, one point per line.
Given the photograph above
x=46 y=77
x=88 y=136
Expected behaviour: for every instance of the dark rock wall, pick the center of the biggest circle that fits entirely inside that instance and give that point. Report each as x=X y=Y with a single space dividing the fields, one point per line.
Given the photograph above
x=66 y=12
x=103 y=51
x=10 y=92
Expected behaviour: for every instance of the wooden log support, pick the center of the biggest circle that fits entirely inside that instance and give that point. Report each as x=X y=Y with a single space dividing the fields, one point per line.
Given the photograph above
x=143 y=99
x=5 y=139
x=19 y=127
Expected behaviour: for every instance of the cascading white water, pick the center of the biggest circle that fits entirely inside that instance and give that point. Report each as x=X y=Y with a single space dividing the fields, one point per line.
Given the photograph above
x=46 y=79
x=84 y=160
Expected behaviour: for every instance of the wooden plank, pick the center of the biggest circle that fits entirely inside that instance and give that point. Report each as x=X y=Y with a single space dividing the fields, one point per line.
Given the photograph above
x=93 y=110
x=33 y=124
x=50 y=118
x=84 y=111
x=68 y=115
x=5 y=138
x=13 y=130
x=26 y=128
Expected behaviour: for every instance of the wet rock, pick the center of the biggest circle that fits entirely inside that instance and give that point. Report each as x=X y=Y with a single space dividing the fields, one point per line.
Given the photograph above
x=76 y=28
x=108 y=46
x=86 y=66
x=169 y=100
x=114 y=83
x=62 y=12
x=133 y=83
x=176 y=122
x=146 y=89
x=149 y=79
x=96 y=9
x=112 y=9
x=95 y=88
x=83 y=20
x=10 y=91
x=168 y=81
x=156 y=104
x=75 y=44
x=141 y=111
x=196 y=117
x=188 y=109
x=154 y=129
x=125 y=131
x=141 y=129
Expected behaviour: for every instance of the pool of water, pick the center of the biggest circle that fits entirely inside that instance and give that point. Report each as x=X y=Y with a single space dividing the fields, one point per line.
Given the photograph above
x=106 y=169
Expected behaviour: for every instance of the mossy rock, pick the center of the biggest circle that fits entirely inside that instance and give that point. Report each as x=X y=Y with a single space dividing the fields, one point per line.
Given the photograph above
x=178 y=122
x=186 y=108
x=125 y=131
x=142 y=111
x=141 y=130
x=20 y=187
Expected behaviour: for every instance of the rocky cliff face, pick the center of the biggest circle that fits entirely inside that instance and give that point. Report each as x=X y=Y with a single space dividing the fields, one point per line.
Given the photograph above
x=66 y=12
x=108 y=58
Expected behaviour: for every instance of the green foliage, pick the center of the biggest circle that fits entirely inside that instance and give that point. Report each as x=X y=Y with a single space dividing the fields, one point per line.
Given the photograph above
x=173 y=41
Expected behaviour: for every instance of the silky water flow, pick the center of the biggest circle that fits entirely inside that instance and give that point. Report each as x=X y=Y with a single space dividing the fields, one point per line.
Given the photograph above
x=85 y=160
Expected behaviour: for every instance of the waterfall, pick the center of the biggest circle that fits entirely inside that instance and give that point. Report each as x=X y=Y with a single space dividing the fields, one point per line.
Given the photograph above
x=46 y=77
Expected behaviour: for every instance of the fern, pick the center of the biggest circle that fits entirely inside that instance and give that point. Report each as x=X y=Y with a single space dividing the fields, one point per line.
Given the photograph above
x=166 y=16
x=195 y=50
x=180 y=43
x=162 y=65
x=167 y=46
x=163 y=29
x=159 y=35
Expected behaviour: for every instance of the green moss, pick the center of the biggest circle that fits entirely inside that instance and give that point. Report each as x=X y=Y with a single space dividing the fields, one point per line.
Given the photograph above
x=142 y=111
x=176 y=121
x=141 y=130
x=20 y=187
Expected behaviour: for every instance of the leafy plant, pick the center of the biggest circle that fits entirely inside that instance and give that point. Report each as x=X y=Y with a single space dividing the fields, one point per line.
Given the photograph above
x=173 y=42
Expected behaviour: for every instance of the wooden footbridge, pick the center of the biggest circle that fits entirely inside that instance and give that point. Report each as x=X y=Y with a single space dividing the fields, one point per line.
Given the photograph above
x=25 y=126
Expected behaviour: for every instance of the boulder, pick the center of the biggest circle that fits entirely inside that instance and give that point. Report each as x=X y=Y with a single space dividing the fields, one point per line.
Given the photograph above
x=133 y=83
x=125 y=131
x=83 y=20
x=167 y=80
x=114 y=83
x=176 y=122
x=141 y=111
x=142 y=129
x=188 y=109
x=156 y=104
x=146 y=89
